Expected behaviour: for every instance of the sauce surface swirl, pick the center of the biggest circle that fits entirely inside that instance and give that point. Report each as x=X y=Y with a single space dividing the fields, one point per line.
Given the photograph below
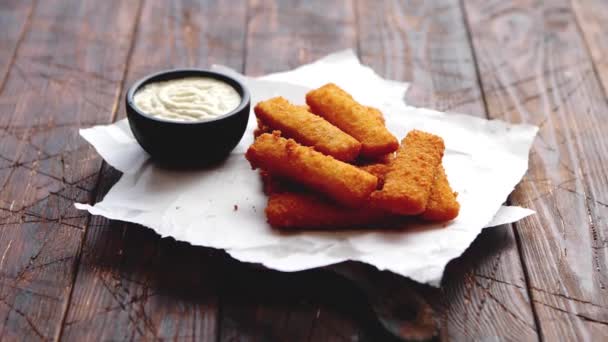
x=187 y=99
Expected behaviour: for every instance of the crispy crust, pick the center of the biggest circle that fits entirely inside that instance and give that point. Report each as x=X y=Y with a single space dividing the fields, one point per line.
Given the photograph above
x=377 y=169
x=363 y=123
x=442 y=204
x=261 y=129
x=376 y=112
x=306 y=128
x=342 y=182
x=310 y=211
x=407 y=185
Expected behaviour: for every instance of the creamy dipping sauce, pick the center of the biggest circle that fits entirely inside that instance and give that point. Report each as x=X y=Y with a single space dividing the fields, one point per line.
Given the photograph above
x=187 y=99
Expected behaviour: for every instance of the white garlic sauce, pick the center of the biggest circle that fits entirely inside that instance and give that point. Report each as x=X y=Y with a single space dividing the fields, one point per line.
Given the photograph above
x=187 y=99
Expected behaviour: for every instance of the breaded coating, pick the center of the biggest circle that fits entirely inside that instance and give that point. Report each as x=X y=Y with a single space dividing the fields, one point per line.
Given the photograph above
x=379 y=170
x=339 y=108
x=377 y=167
x=442 y=204
x=307 y=128
x=340 y=181
x=305 y=107
x=310 y=211
x=376 y=112
x=407 y=185
x=261 y=129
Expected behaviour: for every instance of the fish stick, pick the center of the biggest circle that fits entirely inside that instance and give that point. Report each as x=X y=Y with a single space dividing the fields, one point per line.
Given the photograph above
x=263 y=128
x=375 y=112
x=407 y=185
x=339 y=108
x=442 y=204
x=342 y=182
x=311 y=211
x=307 y=128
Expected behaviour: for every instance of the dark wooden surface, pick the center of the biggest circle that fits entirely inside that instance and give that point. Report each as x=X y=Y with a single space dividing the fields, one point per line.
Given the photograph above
x=65 y=64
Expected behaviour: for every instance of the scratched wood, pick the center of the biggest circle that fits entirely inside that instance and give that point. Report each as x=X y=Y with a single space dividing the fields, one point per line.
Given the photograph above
x=592 y=16
x=285 y=34
x=14 y=16
x=535 y=67
x=539 y=62
x=426 y=43
x=131 y=284
x=65 y=75
x=304 y=306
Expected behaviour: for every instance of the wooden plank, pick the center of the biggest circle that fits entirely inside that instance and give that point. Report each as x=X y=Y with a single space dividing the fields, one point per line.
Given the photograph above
x=14 y=19
x=592 y=16
x=535 y=68
x=285 y=34
x=301 y=306
x=315 y=305
x=131 y=284
x=65 y=74
x=425 y=42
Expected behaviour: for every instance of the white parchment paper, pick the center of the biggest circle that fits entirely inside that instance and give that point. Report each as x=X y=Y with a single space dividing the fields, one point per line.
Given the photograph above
x=223 y=207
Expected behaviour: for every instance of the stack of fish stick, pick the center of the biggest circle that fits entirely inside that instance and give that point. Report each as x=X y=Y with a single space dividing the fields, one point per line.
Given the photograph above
x=333 y=164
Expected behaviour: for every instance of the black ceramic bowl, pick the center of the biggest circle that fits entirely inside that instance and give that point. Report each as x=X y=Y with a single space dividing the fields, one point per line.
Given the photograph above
x=188 y=143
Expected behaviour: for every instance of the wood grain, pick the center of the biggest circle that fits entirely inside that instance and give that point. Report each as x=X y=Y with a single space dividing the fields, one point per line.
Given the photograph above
x=592 y=16
x=535 y=68
x=426 y=43
x=131 y=284
x=315 y=305
x=285 y=34
x=14 y=19
x=65 y=74
x=65 y=65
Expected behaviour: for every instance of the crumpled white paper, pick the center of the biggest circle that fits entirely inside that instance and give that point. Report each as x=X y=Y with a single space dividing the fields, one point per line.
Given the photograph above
x=223 y=207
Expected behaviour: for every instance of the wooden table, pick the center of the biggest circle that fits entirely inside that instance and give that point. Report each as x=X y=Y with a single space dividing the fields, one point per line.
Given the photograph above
x=65 y=65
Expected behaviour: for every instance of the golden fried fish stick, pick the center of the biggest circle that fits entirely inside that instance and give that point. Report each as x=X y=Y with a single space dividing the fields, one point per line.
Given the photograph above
x=300 y=210
x=376 y=112
x=343 y=182
x=307 y=128
x=339 y=108
x=442 y=204
x=407 y=185
x=372 y=110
